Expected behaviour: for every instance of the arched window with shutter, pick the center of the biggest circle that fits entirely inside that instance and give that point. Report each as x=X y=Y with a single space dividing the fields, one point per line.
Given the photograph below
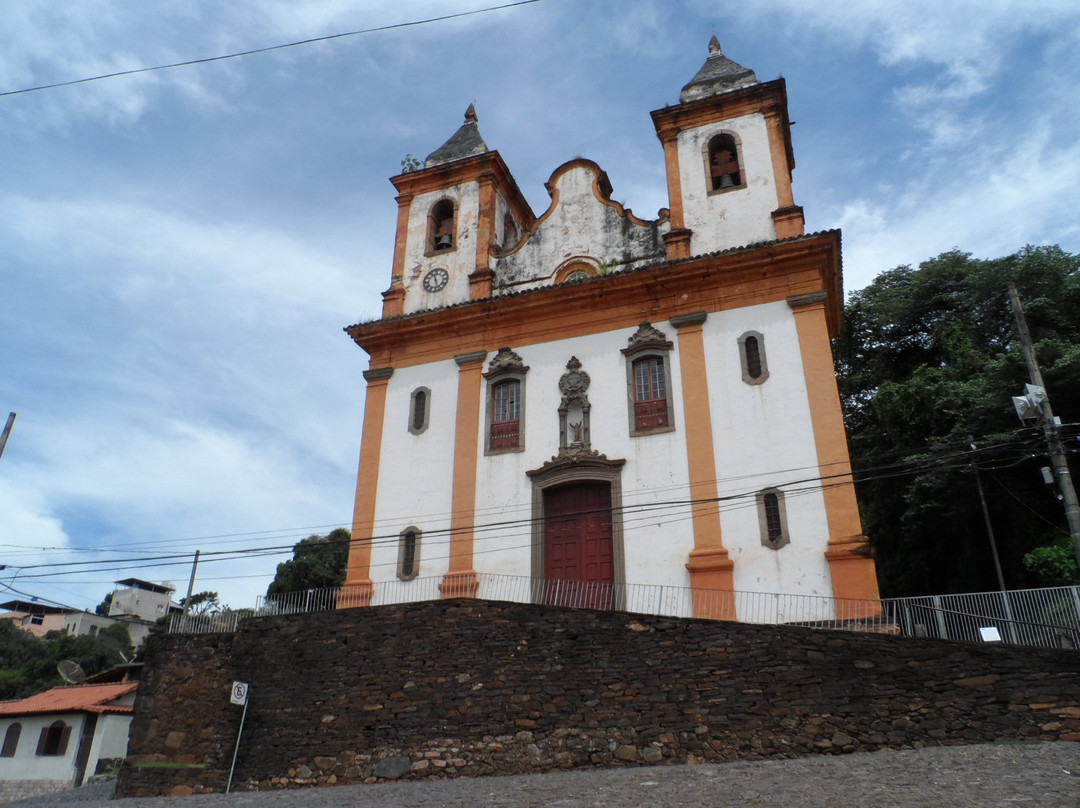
x=53 y=740
x=11 y=740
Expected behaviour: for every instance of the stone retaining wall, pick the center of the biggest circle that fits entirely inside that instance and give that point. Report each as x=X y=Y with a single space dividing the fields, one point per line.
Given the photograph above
x=466 y=687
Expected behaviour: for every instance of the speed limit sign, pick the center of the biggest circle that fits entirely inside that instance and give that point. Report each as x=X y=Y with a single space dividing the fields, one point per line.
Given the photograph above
x=239 y=693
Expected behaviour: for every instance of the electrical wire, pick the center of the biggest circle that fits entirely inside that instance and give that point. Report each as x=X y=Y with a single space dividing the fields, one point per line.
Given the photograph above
x=269 y=48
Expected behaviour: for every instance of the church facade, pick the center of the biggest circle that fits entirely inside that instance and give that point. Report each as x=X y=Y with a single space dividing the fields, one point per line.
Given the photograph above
x=594 y=399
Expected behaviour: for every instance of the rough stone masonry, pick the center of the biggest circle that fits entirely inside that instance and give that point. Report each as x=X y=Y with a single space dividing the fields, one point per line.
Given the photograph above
x=468 y=687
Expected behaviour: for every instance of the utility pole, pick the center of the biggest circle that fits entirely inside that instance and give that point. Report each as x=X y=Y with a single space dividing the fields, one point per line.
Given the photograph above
x=1049 y=427
x=986 y=519
x=7 y=431
x=190 y=586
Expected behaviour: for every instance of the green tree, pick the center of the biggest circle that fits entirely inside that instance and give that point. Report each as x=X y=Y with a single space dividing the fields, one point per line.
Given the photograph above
x=928 y=358
x=318 y=561
x=28 y=663
x=204 y=603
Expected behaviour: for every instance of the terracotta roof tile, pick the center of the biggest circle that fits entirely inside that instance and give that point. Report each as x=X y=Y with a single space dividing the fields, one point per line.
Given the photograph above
x=72 y=699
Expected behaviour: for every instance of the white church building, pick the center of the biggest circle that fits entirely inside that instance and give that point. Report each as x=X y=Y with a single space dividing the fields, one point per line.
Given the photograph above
x=598 y=400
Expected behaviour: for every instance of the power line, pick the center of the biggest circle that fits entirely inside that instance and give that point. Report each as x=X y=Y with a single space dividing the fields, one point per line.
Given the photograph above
x=269 y=48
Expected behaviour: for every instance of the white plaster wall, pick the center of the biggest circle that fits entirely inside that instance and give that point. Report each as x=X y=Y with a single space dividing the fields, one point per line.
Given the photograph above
x=656 y=543
x=26 y=764
x=763 y=437
x=416 y=471
x=459 y=262
x=739 y=216
x=501 y=209
x=110 y=740
x=580 y=226
x=142 y=603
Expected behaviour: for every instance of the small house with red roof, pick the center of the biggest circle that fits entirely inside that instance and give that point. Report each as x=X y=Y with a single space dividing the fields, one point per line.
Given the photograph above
x=52 y=740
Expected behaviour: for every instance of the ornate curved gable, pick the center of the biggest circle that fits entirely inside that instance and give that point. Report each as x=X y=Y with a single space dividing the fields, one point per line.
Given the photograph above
x=582 y=223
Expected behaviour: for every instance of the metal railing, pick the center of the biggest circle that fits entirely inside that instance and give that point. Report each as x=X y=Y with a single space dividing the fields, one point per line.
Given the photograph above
x=1043 y=618
x=1048 y=618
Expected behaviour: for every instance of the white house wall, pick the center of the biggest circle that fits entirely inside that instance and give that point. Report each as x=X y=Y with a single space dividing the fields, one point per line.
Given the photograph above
x=110 y=740
x=735 y=217
x=27 y=764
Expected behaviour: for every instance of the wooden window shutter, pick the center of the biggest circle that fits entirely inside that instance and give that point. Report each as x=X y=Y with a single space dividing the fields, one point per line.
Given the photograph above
x=64 y=736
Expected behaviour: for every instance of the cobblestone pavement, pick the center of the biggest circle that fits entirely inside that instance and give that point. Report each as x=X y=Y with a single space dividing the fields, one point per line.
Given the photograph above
x=994 y=775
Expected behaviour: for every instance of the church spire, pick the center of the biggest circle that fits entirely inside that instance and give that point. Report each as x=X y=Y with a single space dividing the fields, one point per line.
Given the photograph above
x=718 y=75
x=465 y=142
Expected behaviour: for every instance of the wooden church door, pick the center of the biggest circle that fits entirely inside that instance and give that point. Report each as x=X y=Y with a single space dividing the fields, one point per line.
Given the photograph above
x=579 y=565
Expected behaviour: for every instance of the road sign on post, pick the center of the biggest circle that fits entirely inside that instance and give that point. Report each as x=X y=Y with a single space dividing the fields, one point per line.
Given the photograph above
x=239 y=695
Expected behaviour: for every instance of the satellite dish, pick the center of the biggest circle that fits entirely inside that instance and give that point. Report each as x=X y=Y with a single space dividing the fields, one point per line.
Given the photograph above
x=71 y=671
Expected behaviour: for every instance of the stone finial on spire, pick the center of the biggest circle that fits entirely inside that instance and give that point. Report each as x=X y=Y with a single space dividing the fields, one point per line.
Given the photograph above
x=470 y=114
x=714 y=47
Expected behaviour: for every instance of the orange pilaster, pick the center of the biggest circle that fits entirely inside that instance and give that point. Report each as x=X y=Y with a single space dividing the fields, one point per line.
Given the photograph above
x=461 y=579
x=358 y=588
x=669 y=137
x=394 y=297
x=788 y=222
x=711 y=569
x=851 y=561
x=780 y=158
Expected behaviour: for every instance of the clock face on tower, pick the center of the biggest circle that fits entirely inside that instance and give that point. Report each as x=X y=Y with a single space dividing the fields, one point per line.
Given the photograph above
x=436 y=279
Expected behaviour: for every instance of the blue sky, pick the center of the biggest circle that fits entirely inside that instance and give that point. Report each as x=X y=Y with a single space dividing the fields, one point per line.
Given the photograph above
x=179 y=250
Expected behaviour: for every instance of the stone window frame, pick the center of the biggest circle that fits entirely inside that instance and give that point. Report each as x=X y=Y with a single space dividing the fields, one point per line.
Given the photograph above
x=505 y=366
x=11 y=740
x=433 y=223
x=53 y=740
x=707 y=154
x=422 y=427
x=648 y=342
x=778 y=519
x=409 y=572
x=759 y=338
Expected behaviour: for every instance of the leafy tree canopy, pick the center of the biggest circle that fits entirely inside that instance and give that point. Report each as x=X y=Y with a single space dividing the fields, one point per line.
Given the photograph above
x=930 y=357
x=318 y=561
x=204 y=603
x=28 y=663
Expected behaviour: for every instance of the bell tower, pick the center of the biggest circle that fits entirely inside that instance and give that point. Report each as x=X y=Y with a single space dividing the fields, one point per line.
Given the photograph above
x=454 y=211
x=728 y=157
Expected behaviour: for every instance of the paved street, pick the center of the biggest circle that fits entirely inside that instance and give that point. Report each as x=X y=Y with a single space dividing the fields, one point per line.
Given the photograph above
x=1037 y=774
